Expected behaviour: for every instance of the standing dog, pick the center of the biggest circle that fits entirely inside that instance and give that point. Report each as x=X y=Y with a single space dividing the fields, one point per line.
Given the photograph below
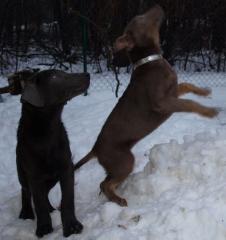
x=150 y=98
x=43 y=151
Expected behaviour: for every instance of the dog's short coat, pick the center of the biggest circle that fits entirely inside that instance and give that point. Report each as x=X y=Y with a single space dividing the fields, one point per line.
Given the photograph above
x=43 y=151
x=150 y=98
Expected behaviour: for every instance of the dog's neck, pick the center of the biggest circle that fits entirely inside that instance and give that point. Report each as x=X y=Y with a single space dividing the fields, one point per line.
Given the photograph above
x=44 y=117
x=145 y=60
x=142 y=52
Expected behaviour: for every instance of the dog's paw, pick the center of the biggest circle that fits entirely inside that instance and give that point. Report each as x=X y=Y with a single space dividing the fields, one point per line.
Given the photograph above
x=72 y=226
x=43 y=230
x=120 y=201
x=27 y=214
x=211 y=112
x=204 y=92
x=123 y=202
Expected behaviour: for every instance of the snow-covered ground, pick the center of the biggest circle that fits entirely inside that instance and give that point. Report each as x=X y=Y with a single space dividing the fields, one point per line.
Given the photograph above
x=176 y=192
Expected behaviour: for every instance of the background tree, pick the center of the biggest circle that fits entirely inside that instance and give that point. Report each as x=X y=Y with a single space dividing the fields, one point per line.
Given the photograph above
x=193 y=31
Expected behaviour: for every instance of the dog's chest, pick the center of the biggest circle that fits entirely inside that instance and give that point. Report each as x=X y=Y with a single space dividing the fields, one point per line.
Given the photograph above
x=44 y=150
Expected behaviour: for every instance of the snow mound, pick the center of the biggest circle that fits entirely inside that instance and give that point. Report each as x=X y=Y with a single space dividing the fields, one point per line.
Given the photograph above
x=181 y=193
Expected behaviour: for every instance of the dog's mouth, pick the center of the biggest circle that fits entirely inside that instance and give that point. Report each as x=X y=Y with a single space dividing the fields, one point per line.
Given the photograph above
x=69 y=94
x=121 y=58
x=5 y=89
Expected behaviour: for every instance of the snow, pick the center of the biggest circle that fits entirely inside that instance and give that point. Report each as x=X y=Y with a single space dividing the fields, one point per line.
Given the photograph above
x=176 y=192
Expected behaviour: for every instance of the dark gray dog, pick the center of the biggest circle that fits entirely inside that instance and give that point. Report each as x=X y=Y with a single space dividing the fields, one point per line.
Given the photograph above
x=43 y=151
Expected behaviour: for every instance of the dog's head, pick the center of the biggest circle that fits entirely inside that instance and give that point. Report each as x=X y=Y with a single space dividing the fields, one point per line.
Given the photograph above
x=142 y=31
x=46 y=88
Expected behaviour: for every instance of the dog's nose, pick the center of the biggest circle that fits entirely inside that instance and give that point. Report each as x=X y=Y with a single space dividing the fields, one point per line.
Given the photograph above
x=77 y=84
x=117 y=46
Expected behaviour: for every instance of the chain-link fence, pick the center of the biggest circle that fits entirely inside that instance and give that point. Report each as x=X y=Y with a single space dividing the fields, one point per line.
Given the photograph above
x=77 y=35
x=193 y=40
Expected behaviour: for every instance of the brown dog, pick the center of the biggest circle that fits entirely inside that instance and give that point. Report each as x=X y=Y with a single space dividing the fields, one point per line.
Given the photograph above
x=150 y=98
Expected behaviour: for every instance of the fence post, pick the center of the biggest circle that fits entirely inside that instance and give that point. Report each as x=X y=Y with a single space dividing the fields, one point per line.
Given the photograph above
x=84 y=38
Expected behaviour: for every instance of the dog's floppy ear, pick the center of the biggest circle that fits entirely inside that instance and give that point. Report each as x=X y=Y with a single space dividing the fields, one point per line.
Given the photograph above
x=124 y=42
x=31 y=93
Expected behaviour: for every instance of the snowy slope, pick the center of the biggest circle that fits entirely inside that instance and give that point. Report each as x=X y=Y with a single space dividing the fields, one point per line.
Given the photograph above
x=177 y=190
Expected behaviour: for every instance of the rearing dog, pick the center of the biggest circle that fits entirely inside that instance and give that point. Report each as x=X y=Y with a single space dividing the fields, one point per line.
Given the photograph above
x=150 y=98
x=43 y=151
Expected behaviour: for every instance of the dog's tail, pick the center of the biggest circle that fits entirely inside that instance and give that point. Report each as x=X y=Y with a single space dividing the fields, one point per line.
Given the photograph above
x=84 y=160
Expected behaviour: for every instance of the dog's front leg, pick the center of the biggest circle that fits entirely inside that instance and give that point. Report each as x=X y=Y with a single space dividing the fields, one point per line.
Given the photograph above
x=70 y=224
x=184 y=88
x=26 y=210
x=44 y=223
x=171 y=105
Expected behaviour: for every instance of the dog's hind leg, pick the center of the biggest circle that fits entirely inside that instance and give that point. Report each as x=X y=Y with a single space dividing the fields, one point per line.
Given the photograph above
x=108 y=187
x=51 y=208
x=49 y=185
x=117 y=173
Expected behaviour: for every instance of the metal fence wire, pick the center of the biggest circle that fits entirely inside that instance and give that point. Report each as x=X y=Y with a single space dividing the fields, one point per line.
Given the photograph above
x=77 y=35
x=193 y=39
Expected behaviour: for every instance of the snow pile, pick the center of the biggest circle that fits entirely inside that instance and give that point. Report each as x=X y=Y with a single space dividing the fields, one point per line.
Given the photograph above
x=181 y=193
